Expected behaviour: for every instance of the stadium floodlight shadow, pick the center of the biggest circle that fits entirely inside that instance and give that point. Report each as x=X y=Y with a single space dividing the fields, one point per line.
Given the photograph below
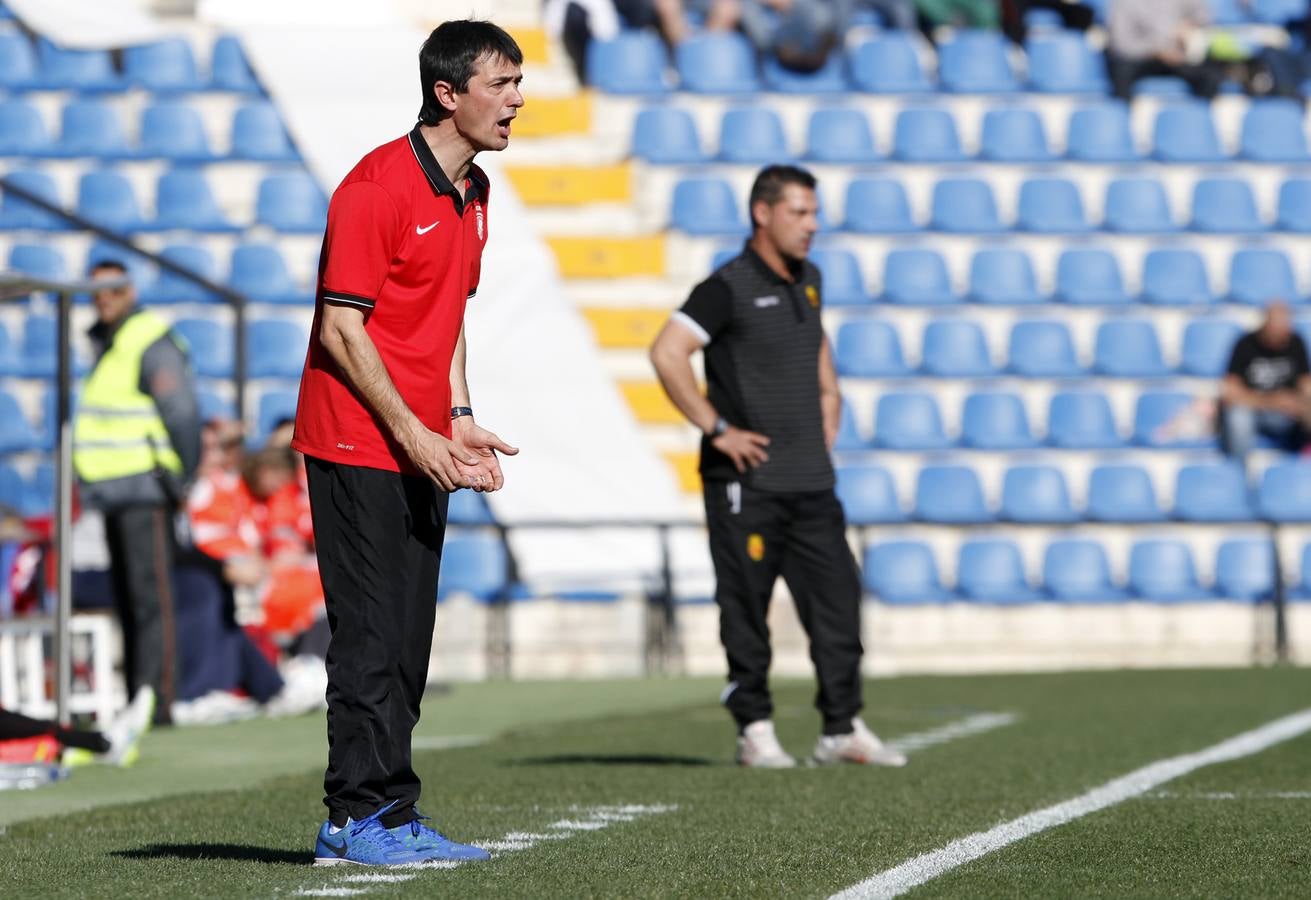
x=239 y=852
x=613 y=759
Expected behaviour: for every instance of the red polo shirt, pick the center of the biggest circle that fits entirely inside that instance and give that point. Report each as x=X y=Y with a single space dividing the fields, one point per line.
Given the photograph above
x=404 y=247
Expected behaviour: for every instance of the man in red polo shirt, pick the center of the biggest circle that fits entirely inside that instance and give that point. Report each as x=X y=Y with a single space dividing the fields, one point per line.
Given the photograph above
x=385 y=423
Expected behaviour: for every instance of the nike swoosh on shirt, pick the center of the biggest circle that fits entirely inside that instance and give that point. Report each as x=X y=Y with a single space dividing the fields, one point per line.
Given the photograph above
x=418 y=230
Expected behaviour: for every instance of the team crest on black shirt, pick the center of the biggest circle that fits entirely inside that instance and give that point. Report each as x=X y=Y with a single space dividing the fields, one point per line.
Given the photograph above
x=755 y=547
x=812 y=294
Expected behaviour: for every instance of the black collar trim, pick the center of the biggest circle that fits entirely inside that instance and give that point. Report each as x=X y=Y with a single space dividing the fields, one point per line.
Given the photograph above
x=437 y=178
x=797 y=268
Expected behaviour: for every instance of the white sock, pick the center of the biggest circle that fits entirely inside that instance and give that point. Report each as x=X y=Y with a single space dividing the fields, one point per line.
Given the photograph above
x=333 y=829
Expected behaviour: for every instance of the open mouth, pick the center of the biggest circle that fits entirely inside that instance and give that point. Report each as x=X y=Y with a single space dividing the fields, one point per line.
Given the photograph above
x=503 y=126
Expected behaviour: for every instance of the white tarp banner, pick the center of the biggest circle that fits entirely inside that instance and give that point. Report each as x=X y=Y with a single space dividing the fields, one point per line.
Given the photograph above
x=86 y=25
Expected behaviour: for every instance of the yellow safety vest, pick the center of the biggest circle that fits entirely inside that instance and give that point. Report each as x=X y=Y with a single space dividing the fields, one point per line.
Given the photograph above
x=118 y=431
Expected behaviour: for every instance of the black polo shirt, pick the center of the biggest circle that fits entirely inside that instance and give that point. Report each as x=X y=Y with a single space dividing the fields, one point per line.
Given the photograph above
x=762 y=336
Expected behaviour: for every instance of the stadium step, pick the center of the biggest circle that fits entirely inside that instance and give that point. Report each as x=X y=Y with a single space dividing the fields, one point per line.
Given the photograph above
x=572 y=185
x=685 y=465
x=625 y=329
x=555 y=116
x=609 y=257
x=650 y=404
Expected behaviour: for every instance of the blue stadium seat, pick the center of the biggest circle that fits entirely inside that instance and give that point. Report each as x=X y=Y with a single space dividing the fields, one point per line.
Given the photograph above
x=964 y=206
x=1089 y=277
x=291 y=202
x=171 y=288
x=39 y=497
x=1258 y=276
x=752 y=134
x=1101 y=134
x=843 y=283
x=888 y=64
x=41 y=260
x=903 y=573
x=975 y=62
x=17 y=61
x=1245 y=569
x=950 y=495
x=260 y=272
x=1128 y=348
x=706 y=206
x=16 y=432
x=173 y=130
x=1225 y=206
x=830 y=78
x=869 y=348
x=1081 y=420
x=8 y=356
x=107 y=199
x=258 y=134
x=1156 y=409
x=1036 y=494
x=1302 y=592
x=849 y=437
x=868 y=495
x=229 y=69
x=37 y=353
x=1003 y=276
x=214 y=406
x=916 y=277
x=1278 y=12
x=91 y=128
x=878 y=206
x=167 y=65
x=717 y=63
x=474 y=564
x=79 y=70
x=667 y=135
x=1063 y=63
x=274 y=407
x=1212 y=492
x=926 y=136
x=1285 y=492
x=1075 y=570
x=1051 y=206
x=22 y=130
x=1165 y=87
x=1228 y=12
x=1274 y=131
x=991 y=570
x=633 y=62
x=1137 y=206
x=1294 y=212
x=1122 y=493
x=1175 y=276
x=469 y=508
x=100 y=251
x=183 y=199
x=995 y=420
x=1042 y=348
x=909 y=421
x=1163 y=571
x=1207 y=346
x=840 y=135
x=1185 y=133
x=955 y=348
x=210 y=346
x=276 y=348
x=1013 y=135
x=12 y=487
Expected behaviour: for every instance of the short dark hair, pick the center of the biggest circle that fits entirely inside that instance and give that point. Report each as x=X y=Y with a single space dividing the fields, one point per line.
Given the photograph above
x=116 y=265
x=450 y=53
x=769 y=184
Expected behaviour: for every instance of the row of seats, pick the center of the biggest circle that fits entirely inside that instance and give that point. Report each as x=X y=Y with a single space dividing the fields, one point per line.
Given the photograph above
x=165 y=66
x=1075 y=570
x=286 y=201
x=168 y=129
x=1273 y=131
x=951 y=494
x=256 y=269
x=961 y=205
x=998 y=420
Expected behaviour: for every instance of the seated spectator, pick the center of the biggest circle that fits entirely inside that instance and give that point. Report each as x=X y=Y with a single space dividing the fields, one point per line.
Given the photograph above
x=24 y=740
x=1075 y=16
x=1267 y=390
x=958 y=14
x=1166 y=37
x=801 y=33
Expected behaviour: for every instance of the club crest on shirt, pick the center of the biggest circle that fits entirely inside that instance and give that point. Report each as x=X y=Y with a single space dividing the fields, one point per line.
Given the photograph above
x=755 y=547
x=812 y=294
x=478 y=219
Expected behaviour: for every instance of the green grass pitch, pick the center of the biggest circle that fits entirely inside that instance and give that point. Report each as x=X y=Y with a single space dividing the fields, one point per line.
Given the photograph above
x=640 y=774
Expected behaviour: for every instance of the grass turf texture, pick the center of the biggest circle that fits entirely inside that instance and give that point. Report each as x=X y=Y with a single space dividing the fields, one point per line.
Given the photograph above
x=241 y=801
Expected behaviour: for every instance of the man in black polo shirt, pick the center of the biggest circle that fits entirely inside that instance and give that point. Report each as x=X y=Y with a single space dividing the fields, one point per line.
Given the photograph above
x=1267 y=387
x=769 y=420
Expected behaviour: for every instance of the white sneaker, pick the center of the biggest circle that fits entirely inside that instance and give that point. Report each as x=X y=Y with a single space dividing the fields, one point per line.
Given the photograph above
x=304 y=688
x=214 y=708
x=758 y=748
x=124 y=733
x=862 y=747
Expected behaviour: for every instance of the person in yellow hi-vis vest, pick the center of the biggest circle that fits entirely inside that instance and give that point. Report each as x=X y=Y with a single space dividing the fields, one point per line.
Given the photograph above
x=136 y=444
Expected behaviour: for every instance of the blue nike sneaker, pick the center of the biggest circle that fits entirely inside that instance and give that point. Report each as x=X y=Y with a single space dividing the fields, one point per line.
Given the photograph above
x=363 y=843
x=432 y=845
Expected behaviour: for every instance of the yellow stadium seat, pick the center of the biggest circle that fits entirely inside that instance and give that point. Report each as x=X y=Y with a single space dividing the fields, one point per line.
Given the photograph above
x=572 y=185
x=534 y=44
x=626 y=329
x=554 y=116
x=685 y=463
x=609 y=257
x=650 y=403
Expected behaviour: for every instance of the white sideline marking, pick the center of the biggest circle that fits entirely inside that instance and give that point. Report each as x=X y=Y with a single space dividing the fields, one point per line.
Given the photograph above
x=326 y=891
x=967 y=727
x=448 y=742
x=1231 y=795
x=377 y=878
x=925 y=867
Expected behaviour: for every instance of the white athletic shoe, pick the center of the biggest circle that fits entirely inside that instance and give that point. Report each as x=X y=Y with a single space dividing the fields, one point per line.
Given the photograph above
x=214 y=708
x=862 y=747
x=124 y=733
x=304 y=688
x=758 y=748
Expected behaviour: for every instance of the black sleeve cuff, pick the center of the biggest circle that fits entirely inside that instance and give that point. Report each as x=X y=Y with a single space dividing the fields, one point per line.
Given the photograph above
x=348 y=299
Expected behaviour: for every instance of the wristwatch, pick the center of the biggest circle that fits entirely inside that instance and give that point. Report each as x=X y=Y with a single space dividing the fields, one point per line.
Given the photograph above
x=720 y=426
x=457 y=411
